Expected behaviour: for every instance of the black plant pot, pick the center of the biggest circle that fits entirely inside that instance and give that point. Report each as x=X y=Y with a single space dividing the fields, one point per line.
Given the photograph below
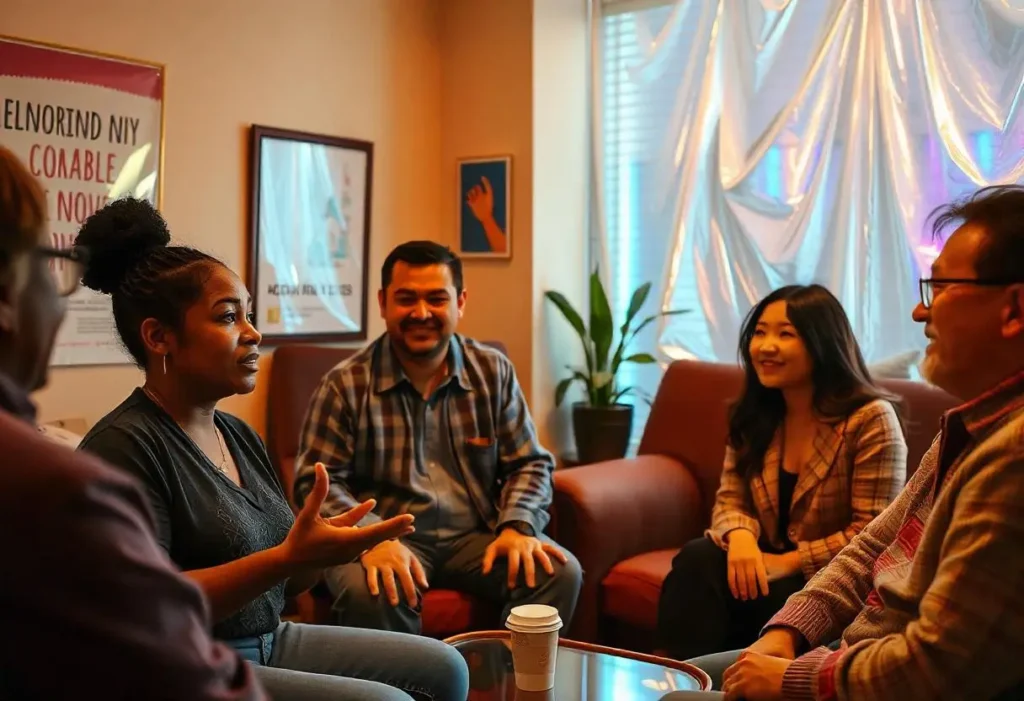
x=602 y=433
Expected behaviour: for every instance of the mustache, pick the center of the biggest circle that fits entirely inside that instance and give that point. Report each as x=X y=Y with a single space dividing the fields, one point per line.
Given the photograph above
x=409 y=323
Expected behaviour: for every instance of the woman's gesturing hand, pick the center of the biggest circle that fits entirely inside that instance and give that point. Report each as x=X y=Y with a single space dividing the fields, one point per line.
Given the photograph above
x=315 y=541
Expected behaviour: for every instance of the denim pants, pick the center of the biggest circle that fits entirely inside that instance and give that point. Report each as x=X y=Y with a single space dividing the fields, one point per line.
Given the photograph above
x=300 y=662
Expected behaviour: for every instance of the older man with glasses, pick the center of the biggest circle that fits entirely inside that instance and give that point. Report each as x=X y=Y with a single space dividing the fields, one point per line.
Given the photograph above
x=927 y=601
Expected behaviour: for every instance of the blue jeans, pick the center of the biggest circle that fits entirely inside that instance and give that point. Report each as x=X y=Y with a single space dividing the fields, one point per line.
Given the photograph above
x=302 y=662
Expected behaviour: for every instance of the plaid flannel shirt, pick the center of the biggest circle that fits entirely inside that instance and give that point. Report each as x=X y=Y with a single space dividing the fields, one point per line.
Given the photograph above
x=927 y=598
x=361 y=430
x=859 y=466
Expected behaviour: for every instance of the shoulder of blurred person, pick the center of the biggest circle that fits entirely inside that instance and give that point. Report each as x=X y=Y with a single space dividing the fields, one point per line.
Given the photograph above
x=84 y=572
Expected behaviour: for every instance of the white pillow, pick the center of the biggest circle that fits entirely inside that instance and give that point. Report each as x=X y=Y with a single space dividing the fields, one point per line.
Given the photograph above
x=61 y=435
x=896 y=367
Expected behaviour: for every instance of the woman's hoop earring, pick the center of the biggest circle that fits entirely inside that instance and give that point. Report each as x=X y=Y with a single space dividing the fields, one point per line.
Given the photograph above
x=165 y=363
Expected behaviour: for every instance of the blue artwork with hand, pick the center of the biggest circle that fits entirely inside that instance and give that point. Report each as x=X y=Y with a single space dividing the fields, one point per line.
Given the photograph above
x=484 y=221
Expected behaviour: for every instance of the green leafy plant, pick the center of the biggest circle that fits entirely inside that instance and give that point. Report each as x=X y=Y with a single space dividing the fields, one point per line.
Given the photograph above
x=599 y=375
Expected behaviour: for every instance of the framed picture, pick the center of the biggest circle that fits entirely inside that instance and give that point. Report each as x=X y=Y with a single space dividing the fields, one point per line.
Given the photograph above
x=309 y=235
x=485 y=207
x=90 y=126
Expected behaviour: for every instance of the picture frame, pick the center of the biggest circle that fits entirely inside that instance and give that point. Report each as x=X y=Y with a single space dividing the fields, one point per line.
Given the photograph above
x=90 y=126
x=309 y=235
x=484 y=221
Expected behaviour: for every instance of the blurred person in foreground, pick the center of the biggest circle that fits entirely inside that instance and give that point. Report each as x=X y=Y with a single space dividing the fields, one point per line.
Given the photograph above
x=92 y=605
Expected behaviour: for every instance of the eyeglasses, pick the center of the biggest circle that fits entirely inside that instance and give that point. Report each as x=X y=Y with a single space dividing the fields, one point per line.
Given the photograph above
x=927 y=285
x=67 y=266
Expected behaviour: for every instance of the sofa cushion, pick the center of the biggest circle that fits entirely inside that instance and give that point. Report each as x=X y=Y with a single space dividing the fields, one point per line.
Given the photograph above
x=896 y=367
x=632 y=588
x=448 y=612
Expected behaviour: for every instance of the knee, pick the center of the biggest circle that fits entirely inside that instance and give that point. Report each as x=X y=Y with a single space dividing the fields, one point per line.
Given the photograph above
x=451 y=674
x=351 y=593
x=348 y=583
x=568 y=576
x=699 y=555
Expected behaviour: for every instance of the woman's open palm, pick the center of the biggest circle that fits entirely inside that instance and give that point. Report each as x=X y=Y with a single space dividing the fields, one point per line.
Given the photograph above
x=315 y=541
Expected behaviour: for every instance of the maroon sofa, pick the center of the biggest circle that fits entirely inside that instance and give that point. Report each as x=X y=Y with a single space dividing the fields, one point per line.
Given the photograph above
x=626 y=519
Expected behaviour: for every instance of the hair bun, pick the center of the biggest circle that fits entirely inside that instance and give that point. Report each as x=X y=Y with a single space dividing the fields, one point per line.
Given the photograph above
x=118 y=237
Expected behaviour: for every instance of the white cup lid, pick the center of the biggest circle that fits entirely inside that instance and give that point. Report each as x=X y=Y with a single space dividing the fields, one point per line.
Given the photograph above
x=534 y=617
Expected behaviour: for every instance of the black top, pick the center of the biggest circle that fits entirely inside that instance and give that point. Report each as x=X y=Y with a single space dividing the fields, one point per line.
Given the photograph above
x=202 y=518
x=787 y=483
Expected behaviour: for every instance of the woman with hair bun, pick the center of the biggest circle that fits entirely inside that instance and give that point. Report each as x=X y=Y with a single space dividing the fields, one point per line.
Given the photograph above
x=220 y=510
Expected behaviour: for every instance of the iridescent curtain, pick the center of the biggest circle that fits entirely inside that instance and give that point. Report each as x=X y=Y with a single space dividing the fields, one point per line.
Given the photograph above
x=765 y=142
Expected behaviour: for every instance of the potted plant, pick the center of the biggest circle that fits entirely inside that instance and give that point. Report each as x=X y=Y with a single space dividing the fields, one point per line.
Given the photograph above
x=602 y=423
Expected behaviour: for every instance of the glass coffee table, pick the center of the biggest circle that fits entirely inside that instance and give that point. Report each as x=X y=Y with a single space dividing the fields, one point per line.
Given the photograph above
x=583 y=672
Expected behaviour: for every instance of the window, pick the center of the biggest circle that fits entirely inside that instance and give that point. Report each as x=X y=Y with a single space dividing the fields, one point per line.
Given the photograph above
x=735 y=159
x=633 y=118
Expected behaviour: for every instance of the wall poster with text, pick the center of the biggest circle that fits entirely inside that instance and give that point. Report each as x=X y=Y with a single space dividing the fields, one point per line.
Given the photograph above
x=90 y=127
x=310 y=235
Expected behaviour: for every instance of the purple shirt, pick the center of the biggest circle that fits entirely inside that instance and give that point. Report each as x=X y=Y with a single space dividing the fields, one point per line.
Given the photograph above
x=91 y=604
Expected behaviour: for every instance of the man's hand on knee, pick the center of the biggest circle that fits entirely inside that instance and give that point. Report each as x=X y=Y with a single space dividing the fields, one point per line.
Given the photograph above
x=389 y=561
x=525 y=551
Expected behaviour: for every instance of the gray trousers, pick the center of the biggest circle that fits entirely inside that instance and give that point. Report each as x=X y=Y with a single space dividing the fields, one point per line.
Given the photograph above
x=714 y=665
x=457 y=565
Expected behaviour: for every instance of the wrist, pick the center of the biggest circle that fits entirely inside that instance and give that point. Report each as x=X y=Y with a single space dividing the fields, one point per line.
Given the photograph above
x=739 y=534
x=521 y=527
x=285 y=561
x=792 y=560
x=786 y=639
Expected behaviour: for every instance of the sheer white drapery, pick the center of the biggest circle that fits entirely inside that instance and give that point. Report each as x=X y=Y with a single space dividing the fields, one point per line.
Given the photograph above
x=741 y=145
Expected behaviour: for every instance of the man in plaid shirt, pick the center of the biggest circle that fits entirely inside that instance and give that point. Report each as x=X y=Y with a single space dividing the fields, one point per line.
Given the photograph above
x=927 y=600
x=431 y=423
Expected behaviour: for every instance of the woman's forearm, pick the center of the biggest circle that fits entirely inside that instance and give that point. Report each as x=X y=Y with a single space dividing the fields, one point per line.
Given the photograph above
x=231 y=586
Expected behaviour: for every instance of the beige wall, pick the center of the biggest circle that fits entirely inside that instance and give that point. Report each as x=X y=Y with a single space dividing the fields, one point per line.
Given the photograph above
x=428 y=81
x=368 y=69
x=513 y=77
x=486 y=109
x=560 y=170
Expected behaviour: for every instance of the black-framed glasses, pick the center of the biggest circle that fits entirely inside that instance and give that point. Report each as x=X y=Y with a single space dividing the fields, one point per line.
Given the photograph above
x=67 y=265
x=927 y=285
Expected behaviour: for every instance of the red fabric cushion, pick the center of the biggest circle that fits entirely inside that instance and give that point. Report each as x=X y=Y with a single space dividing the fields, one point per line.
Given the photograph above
x=445 y=612
x=632 y=588
x=448 y=612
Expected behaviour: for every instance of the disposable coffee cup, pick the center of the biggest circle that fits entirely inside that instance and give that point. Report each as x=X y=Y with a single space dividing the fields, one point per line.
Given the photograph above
x=534 y=645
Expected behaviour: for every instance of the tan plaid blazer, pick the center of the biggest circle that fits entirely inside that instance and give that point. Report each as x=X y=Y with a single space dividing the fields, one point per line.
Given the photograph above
x=859 y=467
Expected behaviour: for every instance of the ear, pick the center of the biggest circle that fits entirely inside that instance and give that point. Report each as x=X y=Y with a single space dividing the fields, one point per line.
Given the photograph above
x=381 y=299
x=157 y=339
x=8 y=304
x=460 y=302
x=1012 y=315
x=12 y=281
